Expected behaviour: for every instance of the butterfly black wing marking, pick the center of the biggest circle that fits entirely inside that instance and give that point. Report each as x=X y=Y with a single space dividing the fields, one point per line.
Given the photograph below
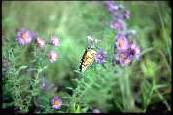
x=82 y=60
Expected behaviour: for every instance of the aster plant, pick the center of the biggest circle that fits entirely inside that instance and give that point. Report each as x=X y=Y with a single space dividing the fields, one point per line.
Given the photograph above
x=124 y=50
x=41 y=50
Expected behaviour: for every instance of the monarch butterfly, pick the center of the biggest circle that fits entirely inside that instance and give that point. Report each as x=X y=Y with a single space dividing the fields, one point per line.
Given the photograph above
x=87 y=59
x=88 y=56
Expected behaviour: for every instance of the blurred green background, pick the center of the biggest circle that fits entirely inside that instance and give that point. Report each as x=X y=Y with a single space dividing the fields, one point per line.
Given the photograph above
x=72 y=21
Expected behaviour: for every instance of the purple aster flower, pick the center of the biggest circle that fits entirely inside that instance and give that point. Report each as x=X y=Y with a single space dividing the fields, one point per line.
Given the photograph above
x=40 y=42
x=118 y=25
x=121 y=14
x=121 y=42
x=117 y=10
x=52 y=56
x=100 y=56
x=56 y=102
x=134 y=51
x=122 y=58
x=24 y=36
x=54 y=41
x=111 y=7
x=126 y=14
x=125 y=56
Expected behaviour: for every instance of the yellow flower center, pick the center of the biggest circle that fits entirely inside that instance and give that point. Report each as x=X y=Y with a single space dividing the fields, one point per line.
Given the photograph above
x=56 y=102
x=23 y=36
x=120 y=43
x=127 y=61
x=122 y=56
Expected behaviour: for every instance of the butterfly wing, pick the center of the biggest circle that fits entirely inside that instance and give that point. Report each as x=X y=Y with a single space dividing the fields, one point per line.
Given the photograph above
x=87 y=59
